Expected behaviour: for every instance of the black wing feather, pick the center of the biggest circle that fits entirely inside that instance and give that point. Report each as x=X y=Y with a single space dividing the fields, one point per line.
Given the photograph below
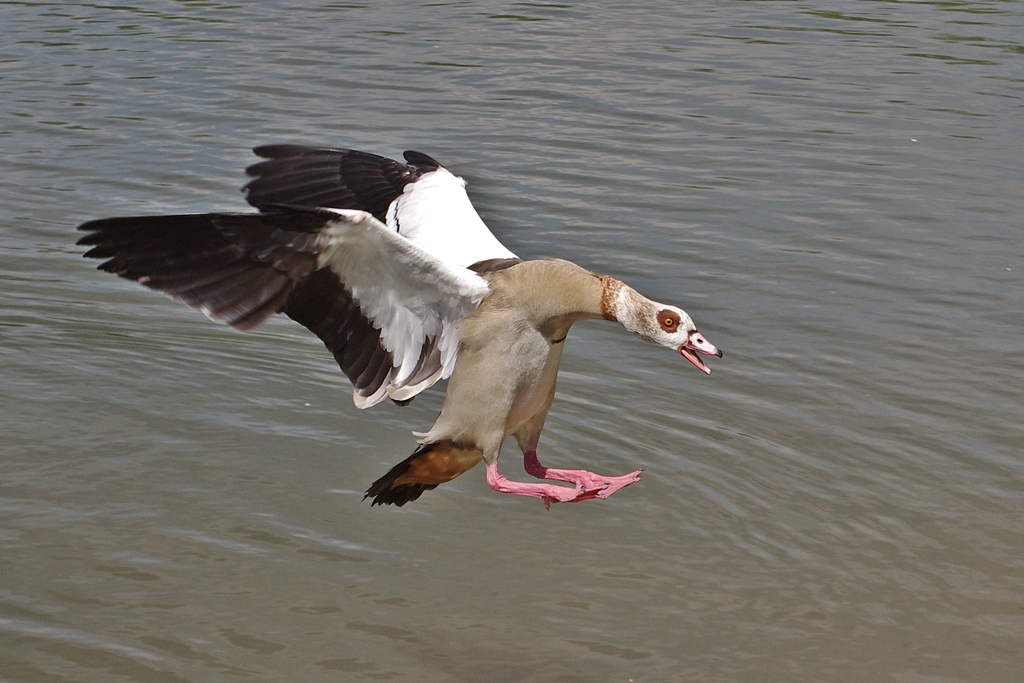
x=240 y=269
x=294 y=175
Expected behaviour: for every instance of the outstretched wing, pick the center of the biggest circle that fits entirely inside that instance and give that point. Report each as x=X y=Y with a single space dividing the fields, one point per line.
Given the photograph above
x=297 y=175
x=386 y=308
x=420 y=200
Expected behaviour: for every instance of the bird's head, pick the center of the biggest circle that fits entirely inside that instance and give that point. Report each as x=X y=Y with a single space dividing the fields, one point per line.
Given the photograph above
x=661 y=324
x=676 y=330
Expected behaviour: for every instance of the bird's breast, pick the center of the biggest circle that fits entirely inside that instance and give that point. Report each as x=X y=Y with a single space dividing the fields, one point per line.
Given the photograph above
x=535 y=387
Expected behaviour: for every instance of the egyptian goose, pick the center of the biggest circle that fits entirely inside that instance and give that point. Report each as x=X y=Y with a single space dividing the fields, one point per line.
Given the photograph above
x=390 y=265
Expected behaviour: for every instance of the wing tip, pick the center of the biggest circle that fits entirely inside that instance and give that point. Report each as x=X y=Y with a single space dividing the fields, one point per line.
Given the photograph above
x=422 y=162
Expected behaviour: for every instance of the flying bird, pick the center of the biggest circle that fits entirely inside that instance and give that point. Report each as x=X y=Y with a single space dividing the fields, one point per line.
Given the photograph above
x=389 y=264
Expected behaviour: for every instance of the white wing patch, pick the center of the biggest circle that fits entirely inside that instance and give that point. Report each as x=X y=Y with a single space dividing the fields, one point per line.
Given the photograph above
x=436 y=214
x=413 y=297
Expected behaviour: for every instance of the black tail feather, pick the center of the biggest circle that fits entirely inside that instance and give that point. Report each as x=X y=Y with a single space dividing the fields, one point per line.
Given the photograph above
x=385 y=492
x=430 y=465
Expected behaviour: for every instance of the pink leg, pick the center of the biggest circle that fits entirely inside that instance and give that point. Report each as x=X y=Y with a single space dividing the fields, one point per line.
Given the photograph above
x=594 y=485
x=546 y=492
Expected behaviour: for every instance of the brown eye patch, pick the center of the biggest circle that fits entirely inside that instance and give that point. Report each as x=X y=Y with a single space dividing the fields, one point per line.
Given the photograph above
x=669 y=320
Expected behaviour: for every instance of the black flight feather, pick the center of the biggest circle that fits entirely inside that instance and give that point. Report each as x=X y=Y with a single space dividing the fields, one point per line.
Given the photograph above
x=240 y=269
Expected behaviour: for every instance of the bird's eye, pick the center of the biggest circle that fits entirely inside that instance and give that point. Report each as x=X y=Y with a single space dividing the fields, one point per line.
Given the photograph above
x=668 y=320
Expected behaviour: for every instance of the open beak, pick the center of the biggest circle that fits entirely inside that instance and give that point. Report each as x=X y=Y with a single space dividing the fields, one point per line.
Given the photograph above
x=698 y=344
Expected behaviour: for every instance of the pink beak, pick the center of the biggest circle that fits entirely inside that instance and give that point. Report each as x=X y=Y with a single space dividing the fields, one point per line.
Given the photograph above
x=698 y=344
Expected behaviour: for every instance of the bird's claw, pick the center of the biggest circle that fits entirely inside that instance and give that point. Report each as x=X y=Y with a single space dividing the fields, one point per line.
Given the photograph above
x=597 y=488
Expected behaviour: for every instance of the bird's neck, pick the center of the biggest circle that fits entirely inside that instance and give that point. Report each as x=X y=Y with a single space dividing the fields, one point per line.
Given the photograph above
x=626 y=306
x=553 y=294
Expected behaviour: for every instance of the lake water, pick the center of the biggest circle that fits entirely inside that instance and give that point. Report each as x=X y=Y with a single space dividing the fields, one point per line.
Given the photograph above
x=834 y=192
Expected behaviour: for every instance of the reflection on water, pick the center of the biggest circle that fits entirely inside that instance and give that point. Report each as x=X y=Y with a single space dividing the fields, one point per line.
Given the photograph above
x=832 y=193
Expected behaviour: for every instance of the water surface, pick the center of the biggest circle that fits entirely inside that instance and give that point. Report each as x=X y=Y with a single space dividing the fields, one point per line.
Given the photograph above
x=832 y=190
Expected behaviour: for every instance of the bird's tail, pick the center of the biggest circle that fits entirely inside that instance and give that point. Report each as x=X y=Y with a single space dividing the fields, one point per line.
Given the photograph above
x=429 y=465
